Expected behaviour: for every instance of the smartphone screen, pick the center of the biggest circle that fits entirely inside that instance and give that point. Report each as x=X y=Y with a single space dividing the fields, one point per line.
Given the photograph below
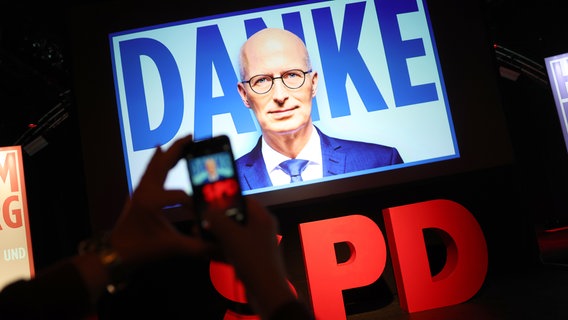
x=214 y=178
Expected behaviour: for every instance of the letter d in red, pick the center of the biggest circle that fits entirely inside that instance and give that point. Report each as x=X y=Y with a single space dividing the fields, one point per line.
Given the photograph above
x=466 y=254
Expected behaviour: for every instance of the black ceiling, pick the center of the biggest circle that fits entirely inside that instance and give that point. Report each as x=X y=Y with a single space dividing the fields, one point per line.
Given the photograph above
x=34 y=61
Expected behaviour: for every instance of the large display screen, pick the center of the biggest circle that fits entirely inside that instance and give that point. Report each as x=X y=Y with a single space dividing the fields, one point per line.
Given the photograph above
x=416 y=76
x=380 y=81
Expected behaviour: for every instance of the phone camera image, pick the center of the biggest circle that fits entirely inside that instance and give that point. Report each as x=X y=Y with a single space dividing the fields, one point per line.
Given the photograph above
x=214 y=179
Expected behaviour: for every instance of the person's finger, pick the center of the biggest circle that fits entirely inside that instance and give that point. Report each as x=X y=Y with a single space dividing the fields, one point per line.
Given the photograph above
x=259 y=217
x=162 y=161
x=173 y=197
x=195 y=246
x=215 y=220
x=176 y=150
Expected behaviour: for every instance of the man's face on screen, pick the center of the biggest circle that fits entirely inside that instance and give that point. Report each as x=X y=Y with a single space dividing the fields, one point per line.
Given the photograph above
x=281 y=110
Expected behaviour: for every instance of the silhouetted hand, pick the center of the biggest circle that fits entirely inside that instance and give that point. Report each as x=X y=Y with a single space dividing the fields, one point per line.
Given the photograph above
x=253 y=251
x=142 y=232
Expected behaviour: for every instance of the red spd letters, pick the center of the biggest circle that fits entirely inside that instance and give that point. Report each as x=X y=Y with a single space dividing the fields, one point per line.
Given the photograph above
x=460 y=278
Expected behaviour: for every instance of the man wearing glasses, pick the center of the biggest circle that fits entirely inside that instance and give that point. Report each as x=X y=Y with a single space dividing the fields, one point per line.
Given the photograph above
x=278 y=84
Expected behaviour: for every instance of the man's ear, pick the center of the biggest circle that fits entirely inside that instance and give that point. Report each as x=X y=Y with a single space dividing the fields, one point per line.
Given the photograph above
x=314 y=84
x=243 y=94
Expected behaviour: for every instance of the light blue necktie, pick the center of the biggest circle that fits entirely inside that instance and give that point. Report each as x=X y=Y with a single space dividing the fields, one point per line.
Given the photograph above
x=294 y=168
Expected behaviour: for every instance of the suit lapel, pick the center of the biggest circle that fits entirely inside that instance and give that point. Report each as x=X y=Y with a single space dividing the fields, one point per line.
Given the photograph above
x=254 y=170
x=332 y=157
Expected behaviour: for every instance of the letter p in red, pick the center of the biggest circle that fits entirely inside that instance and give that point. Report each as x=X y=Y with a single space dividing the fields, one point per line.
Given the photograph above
x=326 y=277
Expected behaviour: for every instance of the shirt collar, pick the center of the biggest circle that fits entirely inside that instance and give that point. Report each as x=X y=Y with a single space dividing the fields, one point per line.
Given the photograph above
x=311 y=152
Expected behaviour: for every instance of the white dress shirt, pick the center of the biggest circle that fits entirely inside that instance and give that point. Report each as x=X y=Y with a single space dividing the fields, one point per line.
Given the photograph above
x=310 y=152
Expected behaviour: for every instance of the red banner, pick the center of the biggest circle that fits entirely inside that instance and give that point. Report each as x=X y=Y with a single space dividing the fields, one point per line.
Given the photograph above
x=16 y=258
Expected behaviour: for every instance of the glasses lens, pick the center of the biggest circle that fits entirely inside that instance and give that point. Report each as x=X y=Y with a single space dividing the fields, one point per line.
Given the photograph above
x=260 y=83
x=293 y=79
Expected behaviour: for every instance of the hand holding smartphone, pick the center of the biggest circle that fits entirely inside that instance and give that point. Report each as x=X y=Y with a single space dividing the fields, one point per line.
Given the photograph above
x=214 y=179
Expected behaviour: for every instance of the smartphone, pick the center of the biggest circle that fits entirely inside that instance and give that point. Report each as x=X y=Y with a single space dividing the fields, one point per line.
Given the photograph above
x=214 y=179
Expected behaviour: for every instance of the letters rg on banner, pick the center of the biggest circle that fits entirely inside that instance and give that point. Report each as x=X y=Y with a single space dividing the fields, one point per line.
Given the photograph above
x=16 y=260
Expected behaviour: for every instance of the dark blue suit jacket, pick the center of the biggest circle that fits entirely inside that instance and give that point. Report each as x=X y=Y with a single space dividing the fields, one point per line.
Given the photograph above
x=339 y=156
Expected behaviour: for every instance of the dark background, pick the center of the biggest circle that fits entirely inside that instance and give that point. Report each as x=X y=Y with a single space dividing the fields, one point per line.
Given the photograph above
x=518 y=200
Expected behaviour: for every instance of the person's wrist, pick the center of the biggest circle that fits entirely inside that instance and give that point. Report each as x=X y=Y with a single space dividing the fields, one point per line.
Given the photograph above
x=116 y=271
x=110 y=259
